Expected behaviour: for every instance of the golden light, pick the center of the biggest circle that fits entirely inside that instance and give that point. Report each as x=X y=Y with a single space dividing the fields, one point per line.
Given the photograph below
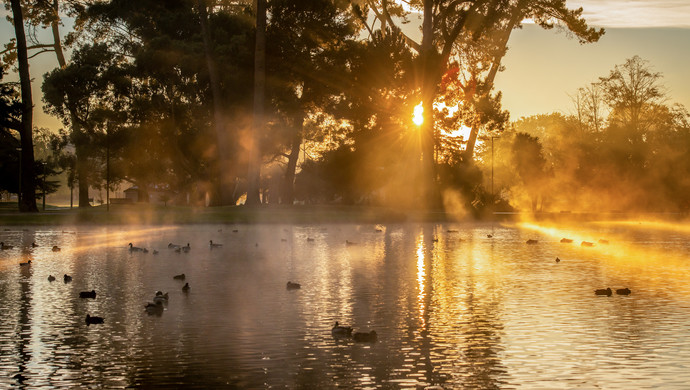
x=418 y=115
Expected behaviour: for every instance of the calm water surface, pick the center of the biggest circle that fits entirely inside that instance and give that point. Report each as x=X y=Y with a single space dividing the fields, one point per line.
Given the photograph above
x=452 y=307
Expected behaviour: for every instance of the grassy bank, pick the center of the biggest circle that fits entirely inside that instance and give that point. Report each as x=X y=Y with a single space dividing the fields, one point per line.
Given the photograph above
x=154 y=214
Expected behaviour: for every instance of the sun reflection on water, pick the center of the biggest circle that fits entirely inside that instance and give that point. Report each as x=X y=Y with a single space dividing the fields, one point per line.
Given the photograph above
x=421 y=276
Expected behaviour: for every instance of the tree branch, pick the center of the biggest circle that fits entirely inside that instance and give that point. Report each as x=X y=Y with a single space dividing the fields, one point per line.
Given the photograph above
x=40 y=52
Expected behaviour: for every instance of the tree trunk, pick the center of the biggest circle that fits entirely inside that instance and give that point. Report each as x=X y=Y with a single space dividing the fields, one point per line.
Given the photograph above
x=27 y=179
x=222 y=144
x=428 y=87
x=57 y=43
x=254 y=170
x=288 y=193
x=82 y=175
x=493 y=71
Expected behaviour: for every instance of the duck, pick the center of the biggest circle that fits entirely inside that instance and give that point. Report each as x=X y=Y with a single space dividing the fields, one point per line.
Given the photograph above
x=364 y=337
x=566 y=241
x=173 y=246
x=341 y=331
x=154 y=308
x=607 y=291
x=88 y=294
x=309 y=239
x=160 y=297
x=212 y=245
x=587 y=243
x=178 y=250
x=532 y=242
x=623 y=291
x=56 y=248
x=235 y=230
x=558 y=260
x=133 y=248
x=489 y=236
x=602 y=241
x=26 y=263
x=349 y=243
x=179 y=277
x=451 y=231
x=379 y=230
x=94 y=320
x=34 y=245
x=155 y=252
x=185 y=288
x=283 y=240
x=67 y=278
x=293 y=286
x=5 y=247
x=51 y=278
x=186 y=248
x=145 y=250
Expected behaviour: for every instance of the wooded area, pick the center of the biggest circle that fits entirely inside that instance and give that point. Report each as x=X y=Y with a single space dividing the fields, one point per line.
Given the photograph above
x=277 y=101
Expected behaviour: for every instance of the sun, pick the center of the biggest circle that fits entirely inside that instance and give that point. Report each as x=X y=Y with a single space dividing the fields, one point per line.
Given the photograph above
x=418 y=115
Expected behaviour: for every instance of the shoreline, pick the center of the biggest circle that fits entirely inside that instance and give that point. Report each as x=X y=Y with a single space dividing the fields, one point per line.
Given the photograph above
x=144 y=214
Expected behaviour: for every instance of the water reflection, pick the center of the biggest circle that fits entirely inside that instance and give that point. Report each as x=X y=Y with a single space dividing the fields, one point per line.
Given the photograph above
x=452 y=307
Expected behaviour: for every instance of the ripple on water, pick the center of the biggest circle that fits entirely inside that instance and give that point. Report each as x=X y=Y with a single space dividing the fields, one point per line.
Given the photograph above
x=481 y=313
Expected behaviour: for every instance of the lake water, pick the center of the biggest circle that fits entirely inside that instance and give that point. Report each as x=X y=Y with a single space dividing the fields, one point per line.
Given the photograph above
x=452 y=307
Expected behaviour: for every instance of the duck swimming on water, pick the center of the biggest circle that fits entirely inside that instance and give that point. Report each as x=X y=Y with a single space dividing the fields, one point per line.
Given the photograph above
x=602 y=291
x=133 y=248
x=623 y=291
x=341 y=331
x=88 y=294
x=94 y=320
x=293 y=286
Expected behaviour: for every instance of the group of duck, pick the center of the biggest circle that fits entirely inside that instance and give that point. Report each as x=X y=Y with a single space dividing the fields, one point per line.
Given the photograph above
x=563 y=241
x=176 y=247
x=338 y=331
x=601 y=291
x=33 y=245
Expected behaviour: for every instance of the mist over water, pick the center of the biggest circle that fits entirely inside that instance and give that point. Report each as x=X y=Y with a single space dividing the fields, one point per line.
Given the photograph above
x=451 y=306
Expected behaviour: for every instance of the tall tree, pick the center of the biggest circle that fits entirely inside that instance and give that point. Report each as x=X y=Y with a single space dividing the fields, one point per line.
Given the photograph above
x=307 y=51
x=450 y=27
x=27 y=202
x=258 y=126
x=632 y=90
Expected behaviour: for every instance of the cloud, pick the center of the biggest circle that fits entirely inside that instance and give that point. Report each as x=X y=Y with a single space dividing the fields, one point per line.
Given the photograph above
x=635 y=13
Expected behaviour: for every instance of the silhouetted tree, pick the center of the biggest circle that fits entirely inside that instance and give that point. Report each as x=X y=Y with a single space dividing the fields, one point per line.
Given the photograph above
x=27 y=201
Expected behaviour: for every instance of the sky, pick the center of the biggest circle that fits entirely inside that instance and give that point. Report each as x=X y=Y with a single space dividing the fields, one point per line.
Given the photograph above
x=544 y=68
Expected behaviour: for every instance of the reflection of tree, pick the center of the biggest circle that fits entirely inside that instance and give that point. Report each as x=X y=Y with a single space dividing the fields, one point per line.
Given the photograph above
x=23 y=348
